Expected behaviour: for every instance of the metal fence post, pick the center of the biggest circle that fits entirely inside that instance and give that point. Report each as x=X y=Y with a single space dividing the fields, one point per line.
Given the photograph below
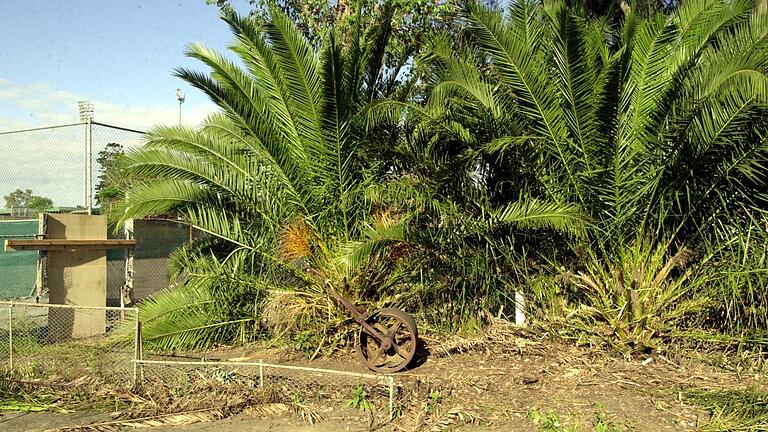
x=89 y=162
x=136 y=351
x=10 y=336
x=261 y=373
x=42 y=257
x=391 y=382
x=127 y=288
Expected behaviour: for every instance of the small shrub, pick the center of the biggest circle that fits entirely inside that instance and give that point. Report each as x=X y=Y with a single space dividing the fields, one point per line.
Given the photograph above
x=360 y=400
x=638 y=297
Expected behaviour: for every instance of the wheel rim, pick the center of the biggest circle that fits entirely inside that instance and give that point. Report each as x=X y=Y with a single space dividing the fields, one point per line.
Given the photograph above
x=399 y=330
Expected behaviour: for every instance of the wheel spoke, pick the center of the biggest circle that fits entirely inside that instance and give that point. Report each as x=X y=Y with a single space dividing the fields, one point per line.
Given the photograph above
x=376 y=354
x=381 y=328
x=400 y=351
x=393 y=331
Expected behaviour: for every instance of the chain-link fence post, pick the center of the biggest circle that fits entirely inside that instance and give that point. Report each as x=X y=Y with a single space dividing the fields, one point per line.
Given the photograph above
x=127 y=288
x=391 y=383
x=261 y=373
x=40 y=270
x=137 y=354
x=89 y=164
x=10 y=336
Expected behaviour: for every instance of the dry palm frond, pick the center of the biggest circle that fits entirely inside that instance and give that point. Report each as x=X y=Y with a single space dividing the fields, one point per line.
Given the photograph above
x=413 y=420
x=286 y=311
x=680 y=260
x=267 y=410
x=386 y=218
x=174 y=419
x=451 y=418
x=500 y=336
x=419 y=418
x=295 y=241
x=277 y=409
x=306 y=413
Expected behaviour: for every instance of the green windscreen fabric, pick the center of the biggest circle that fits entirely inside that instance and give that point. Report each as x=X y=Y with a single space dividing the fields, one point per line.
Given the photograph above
x=17 y=269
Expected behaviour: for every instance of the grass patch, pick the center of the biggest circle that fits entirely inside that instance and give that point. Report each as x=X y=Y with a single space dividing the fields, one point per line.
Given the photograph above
x=731 y=410
x=552 y=421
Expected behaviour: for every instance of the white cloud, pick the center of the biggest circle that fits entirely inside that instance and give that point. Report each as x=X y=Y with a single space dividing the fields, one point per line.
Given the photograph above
x=40 y=104
x=51 y=162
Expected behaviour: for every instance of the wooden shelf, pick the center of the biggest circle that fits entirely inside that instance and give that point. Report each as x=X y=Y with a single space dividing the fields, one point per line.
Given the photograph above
x=64 y=244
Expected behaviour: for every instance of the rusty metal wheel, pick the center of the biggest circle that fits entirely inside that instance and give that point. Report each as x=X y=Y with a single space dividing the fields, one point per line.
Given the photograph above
x=398 y=348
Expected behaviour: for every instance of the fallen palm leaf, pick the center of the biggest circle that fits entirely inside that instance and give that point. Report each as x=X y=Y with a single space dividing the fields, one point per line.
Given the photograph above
x=175 y=419
x=23 y=406
x=268 y=410
x=307 y=413
x=450 y=419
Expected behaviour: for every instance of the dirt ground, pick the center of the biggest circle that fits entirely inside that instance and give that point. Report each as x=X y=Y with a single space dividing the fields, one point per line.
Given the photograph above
x=19 y=422
x=500 y=381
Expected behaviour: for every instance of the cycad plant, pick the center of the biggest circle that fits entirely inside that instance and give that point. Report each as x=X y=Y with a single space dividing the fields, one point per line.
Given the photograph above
x=279 y=182
x=655 y=127
x=642 y=298
x=657 y=124
x=274 y=179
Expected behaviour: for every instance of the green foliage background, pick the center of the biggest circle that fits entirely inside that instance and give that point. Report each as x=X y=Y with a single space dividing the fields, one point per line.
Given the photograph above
x=440 y=157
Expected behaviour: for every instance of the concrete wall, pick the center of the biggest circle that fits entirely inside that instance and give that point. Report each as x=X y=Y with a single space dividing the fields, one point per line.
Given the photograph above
x=77 y=277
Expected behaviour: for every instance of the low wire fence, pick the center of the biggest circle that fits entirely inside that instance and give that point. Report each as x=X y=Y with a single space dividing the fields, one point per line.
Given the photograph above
x=64 y=342
x=367 y=394
x=51 y=341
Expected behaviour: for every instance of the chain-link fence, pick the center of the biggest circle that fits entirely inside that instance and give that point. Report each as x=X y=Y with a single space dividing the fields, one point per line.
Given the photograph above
x=70 y=169
x=103 y=344
x=60 y=168
x=156 y=240
x=68 y=342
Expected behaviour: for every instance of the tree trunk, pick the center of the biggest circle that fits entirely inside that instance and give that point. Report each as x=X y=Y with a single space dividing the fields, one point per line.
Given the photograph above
x=625 y=6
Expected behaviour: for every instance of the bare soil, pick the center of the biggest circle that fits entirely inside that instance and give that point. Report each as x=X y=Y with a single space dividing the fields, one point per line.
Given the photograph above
x=46 y=421
x=491 y=382
x=499 y=378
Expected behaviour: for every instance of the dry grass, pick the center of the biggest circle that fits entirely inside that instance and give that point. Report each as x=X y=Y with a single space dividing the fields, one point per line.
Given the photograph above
x=494 y=378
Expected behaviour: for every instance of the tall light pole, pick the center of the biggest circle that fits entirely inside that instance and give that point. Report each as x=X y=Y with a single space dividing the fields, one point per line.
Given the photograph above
x=180 y=98
x=86 y=116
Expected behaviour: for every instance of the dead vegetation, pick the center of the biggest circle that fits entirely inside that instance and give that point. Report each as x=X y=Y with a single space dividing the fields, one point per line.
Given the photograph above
x=501 y=377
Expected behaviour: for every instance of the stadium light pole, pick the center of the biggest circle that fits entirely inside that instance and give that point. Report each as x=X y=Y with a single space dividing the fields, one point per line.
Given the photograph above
x=86 y=116
x=180 y=98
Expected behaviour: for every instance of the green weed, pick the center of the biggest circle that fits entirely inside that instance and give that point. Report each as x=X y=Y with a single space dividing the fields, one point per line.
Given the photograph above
x=549 y=422
x=360 y=400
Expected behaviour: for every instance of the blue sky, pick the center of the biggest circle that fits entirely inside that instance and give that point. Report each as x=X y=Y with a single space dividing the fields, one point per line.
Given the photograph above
x=117 y=53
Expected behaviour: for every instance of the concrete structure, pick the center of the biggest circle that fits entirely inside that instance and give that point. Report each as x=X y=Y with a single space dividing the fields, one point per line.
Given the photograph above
x=75 y=248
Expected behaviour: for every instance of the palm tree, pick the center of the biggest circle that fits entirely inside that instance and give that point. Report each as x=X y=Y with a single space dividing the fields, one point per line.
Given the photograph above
x=282 y=181
x=655 y=128
x=658 y=123
x=274 y=178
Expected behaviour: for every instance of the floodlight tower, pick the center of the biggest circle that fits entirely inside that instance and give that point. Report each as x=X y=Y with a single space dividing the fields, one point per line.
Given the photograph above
x=180 y=98
x=86 y=116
